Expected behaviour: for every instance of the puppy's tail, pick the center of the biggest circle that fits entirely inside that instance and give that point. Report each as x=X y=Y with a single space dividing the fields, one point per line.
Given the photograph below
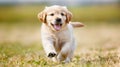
x=77 y=24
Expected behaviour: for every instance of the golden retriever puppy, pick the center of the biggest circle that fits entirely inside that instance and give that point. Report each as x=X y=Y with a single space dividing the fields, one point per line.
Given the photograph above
x=57 y=33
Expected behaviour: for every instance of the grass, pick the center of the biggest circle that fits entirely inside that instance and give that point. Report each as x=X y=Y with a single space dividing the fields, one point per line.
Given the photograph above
x=28 y=13
x=14 y=54
x=98 y=46
x=96 y=13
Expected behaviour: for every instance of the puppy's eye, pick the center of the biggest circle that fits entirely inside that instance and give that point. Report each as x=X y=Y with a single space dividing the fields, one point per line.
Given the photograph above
x=51 y=14
x=62 y=14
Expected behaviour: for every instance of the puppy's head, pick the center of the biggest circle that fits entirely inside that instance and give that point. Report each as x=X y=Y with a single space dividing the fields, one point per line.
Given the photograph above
x=56 y=17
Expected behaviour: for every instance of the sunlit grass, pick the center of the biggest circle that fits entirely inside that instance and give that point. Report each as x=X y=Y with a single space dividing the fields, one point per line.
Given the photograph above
x=18 y=55
x=98 y=46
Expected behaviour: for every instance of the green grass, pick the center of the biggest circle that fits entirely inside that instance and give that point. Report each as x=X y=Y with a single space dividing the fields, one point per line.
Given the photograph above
x=98 y=46
x=14 y=54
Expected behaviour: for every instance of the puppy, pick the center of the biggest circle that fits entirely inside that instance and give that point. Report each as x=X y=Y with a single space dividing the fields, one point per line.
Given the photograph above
x=57 y=33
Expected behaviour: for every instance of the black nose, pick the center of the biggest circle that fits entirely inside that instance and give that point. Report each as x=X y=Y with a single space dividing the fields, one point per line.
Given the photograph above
x=58 y=20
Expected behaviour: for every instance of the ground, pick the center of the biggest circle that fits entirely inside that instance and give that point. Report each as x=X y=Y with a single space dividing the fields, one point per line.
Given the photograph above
x=97 y=46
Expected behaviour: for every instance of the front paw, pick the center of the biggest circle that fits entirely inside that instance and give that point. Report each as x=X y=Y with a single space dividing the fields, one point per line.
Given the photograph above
x=51 y=54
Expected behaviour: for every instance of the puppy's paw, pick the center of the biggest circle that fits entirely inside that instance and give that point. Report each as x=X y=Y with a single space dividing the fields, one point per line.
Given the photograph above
x=51 y=54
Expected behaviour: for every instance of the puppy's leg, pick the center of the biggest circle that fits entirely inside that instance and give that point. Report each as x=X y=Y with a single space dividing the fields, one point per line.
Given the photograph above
x=66 y=52
x=69 y=56
x=72 y=49
x=49 y=48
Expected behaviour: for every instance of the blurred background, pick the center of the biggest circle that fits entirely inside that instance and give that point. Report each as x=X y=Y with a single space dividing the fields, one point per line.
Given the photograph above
x=18 y=18
x=20 y=27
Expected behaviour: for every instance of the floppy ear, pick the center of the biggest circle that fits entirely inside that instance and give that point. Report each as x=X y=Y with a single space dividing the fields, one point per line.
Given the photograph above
x=68 y=16
x=42 y=16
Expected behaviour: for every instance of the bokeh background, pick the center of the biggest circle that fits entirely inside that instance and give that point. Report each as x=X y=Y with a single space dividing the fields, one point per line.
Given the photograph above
x=98 y=42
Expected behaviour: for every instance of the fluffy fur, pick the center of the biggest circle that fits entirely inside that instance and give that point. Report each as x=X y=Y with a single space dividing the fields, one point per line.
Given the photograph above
x=57 y=33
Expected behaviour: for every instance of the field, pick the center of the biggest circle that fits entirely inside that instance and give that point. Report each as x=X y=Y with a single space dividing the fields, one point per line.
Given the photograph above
x=98 y=43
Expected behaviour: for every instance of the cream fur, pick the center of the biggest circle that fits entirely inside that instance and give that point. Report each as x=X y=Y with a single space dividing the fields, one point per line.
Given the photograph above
x=61 y=44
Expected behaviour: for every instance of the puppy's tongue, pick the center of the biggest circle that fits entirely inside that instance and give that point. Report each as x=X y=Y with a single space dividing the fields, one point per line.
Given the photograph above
x=57 y=26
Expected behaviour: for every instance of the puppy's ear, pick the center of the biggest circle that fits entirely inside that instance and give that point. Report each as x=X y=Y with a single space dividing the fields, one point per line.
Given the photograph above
x=42 y=16
x=68 y=16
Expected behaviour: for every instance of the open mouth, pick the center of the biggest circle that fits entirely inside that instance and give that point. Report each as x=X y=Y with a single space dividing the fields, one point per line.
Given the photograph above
x=57 y=26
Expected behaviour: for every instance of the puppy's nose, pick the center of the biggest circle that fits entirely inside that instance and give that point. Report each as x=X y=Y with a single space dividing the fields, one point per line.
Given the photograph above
x=58 y=20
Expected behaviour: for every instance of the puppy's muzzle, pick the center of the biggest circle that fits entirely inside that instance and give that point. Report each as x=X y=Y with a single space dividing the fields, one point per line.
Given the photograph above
x=57 y=25
x=58 y=20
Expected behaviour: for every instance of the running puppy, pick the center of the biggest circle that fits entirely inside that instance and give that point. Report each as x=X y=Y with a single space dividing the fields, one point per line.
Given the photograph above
x=57 y=33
